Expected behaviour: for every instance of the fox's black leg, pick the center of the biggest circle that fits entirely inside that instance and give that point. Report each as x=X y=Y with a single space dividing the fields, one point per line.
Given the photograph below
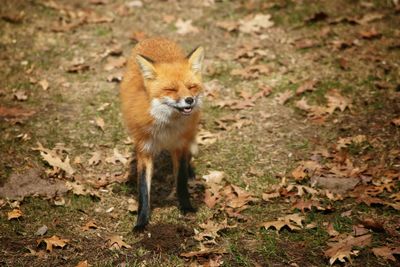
x=182 y=185
x=145 y=172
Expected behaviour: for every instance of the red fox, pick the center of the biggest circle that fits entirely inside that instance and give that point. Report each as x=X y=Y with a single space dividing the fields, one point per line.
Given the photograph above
x=161 y=99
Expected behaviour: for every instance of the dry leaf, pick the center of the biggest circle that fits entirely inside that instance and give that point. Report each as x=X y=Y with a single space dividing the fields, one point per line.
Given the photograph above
x=293 y=221
x=343 y=249
x=185 y=27
x=214 y=177
x=203 y=252
x=55 y=161
x=89 y=225
x=95 y=159
x=15 y=112
x=100 y=123
x=114 y=63
x=307 y=86
x=206 y=138
x=53 y=241
x=256 y=24
x=386 y=252
x=85 y=262
x=282 y=98
x=44 y=84
x=41 y=231
x=117 y=157
x=396 y=121
x=14 y=214
x=20 y=95
x=115 y=242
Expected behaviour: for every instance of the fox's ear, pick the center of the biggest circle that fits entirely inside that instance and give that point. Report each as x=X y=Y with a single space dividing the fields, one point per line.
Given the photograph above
x=146 y=67
x=196 y=59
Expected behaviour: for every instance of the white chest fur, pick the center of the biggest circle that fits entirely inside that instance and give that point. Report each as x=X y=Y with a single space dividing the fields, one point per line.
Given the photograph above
x=167 y=129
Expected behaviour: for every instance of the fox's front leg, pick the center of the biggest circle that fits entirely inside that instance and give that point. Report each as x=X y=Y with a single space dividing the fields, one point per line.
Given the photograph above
x=145 y=173
x=181 y=163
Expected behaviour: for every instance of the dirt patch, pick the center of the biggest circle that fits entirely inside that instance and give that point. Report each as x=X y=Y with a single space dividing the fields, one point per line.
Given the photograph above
x=29 y=183
x=166 y=238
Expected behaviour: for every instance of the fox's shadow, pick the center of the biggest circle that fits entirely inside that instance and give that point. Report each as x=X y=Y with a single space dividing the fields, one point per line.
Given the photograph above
x=162 y=182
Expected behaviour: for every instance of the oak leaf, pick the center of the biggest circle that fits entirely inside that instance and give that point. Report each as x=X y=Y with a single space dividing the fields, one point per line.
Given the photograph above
x=53 y=241
x=14 y=214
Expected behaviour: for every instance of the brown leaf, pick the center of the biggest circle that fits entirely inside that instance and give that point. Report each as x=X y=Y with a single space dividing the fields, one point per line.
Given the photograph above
x=331 y=230
x=337 y=101
x=85 y=262
x=269 y=196
x=343 y=249
x=89 y=225
x=100 y=123
x=44 y=84
x=21 y=95
x=206 y=138
x=307 y=86
x=114 y=63
x=386 y=252
x=185 y=27
x=117 y=157
x=15 y=112
x=228 y=25
x=95 y=159
x=256 y=24
x=343 y=63
x=56 y=161
x=306 y=43
x=115 y=242
x=14 y=214
x=204 y=251
x=214 y=177
x=395 y=122
x=53 y=241
x=293 y=221
x=282 y=98
x=370 y=34
x=369 y=17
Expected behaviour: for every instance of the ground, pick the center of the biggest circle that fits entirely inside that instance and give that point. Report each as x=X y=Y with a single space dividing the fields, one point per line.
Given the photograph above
x=301 y=117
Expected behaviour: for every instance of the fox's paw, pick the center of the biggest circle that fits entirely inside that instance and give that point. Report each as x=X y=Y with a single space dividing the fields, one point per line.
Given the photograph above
x=188 y=209
x=139 y=228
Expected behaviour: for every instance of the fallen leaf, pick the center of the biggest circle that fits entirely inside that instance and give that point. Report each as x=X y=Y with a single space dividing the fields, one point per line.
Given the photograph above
x=370 y=34
x=256 y=24
x=269 y=196
x=386 y=252
x=78 y=66
x=396 y=121
x=337 y=101
x=44 y=84
x=115 y=242
x=185 y=27
x=206 y=138
x=133 y=205
x=346 y=141
x=307 y=86
x=41 y=231
x=82 y=264
x=89 y=225
x=214 y=177
x=293 y=221
x=20 y=95
x=100 y=123
x=95 y=159
x=15 y=112
x=342 y=249
x=282 y=98
x=114 y=63
x=53 y=241
x=117 y=157
x=203 y=252
x=55 y=161
x=14 y=214
x=306 y=43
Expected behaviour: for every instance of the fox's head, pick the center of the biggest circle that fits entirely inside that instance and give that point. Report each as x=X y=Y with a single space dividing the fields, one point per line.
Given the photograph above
x=173 y=87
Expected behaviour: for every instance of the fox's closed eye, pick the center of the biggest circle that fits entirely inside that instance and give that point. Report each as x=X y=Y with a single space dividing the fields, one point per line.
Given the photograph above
x=193 y=86
x=171 y=89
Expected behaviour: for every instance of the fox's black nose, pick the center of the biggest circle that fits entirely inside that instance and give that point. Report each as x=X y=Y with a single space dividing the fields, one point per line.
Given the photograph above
x=189 y=100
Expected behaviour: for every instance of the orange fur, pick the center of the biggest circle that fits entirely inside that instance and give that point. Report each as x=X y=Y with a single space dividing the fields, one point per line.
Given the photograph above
x=172 y=71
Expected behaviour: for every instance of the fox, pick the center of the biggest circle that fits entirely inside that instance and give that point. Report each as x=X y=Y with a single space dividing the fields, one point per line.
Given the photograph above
x=161 y=98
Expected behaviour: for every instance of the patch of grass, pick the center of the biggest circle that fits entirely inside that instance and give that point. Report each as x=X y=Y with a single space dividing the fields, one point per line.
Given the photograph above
x=342 y=224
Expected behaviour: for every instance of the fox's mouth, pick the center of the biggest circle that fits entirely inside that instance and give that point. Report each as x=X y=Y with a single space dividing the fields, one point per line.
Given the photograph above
x=185 y=110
